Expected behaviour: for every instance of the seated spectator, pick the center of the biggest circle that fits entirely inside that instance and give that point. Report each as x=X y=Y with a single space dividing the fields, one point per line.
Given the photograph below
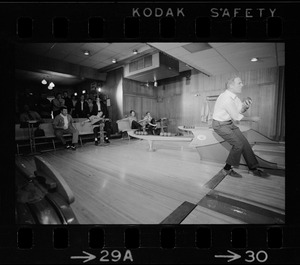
x=96 y=120
x=44 y=107
x=133 y=124
x=63 y=123
x=29 y=115
x=148 y=123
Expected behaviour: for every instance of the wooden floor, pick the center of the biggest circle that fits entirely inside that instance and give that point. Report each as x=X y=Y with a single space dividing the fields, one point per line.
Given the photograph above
x=124 y=183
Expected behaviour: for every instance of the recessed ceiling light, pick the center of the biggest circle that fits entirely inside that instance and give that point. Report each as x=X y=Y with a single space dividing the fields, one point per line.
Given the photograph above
x=134 y=51
x=44 y=82
x=87 y=53
x=254 y=59
x=113 y=60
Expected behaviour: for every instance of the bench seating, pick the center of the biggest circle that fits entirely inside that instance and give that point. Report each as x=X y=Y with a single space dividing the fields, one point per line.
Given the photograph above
x=22 y=134
x=124 y=126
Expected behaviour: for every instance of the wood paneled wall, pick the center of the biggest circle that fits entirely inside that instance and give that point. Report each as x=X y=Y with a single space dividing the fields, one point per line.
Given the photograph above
x=140 y=98
x=181 y=99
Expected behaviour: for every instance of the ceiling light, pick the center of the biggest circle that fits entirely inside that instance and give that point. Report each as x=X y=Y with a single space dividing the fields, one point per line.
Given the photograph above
x=135 y=52
x=50 y=87
x=44 y=82
x=52 y=84
x=254 y=59
x=99 y=89
x=113 y=60
x=155 y=83
x=87 y=53
x=75 y=94
x=83 y=91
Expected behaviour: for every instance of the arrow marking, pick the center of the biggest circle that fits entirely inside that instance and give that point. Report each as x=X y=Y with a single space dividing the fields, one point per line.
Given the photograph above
x=87 y=258
x=232 y=257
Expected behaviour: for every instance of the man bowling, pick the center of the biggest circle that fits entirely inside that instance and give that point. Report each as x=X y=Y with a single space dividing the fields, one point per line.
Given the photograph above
x=230 y=108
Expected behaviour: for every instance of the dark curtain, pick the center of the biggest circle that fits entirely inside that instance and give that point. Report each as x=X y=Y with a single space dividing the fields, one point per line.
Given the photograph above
x=280 y=106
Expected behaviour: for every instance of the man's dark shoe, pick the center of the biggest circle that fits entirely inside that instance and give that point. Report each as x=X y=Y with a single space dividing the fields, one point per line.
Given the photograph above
x=259 y=173
x=96 y=142
x=68 y=146
x=73 y=147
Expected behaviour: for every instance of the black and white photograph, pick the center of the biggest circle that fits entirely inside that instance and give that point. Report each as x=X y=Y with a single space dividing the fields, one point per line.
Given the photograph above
x=150 y=133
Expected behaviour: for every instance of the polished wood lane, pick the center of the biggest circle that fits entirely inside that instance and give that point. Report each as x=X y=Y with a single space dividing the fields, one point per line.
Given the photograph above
x=123 y=183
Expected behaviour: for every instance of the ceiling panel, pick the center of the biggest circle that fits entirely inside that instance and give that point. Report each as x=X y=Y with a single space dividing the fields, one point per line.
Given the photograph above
x=179 y=52
x=72 y=58
x=243 y=47
x=168 y=45
x=57 y=53
x=221 y=58
x=103 y=55
x=218 y=44
x=89 y=63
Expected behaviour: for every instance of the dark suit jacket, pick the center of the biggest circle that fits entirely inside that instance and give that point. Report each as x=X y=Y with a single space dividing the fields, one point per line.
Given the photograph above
x=104 y=109
x=82 y=113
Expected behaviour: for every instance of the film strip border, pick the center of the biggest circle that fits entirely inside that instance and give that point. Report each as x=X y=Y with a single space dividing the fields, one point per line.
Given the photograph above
x=150 y=244
x=133 y=22
x=150 y=22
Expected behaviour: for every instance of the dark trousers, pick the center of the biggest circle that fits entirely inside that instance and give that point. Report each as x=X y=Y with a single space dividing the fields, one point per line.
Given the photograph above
x=60 y=132
x=240 y=145
x=107 y=129
x=136 y=125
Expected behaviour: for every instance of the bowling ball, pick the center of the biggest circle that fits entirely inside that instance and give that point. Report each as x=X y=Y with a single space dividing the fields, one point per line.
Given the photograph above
x=169 y=134
x=161 y=134
x=145 y=133
x=248 y=101
x=165 y=134
x=138 y=132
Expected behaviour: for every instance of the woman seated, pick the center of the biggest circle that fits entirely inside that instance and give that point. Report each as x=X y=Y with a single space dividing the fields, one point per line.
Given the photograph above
x=133 y=124
x=148 y=123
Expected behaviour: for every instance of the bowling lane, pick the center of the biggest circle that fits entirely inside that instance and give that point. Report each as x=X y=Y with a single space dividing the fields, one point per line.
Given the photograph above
x=266 y=192
x=251 y=200
x=123 y=183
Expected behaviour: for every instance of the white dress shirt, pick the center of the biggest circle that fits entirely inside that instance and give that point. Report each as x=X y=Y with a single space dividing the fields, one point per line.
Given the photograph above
x=98 y=106
x=66 y=122
x=228 y=107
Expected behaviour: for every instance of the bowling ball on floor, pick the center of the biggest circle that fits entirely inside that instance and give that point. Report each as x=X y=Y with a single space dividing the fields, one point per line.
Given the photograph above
x=169 y=134
x=161 y=134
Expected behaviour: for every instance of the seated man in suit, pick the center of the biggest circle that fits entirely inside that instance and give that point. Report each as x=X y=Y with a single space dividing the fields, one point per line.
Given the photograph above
x=63 y=123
